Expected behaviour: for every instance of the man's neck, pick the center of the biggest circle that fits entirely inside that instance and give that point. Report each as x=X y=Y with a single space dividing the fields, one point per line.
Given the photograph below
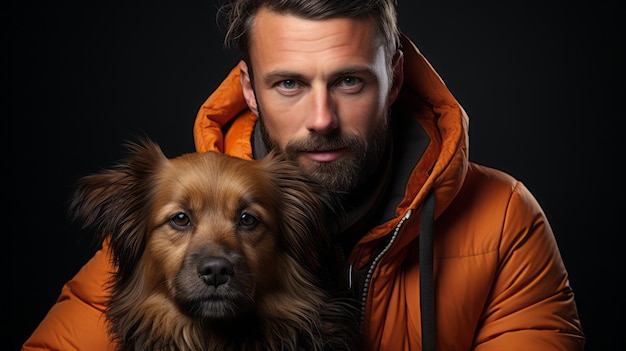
x=363 y=202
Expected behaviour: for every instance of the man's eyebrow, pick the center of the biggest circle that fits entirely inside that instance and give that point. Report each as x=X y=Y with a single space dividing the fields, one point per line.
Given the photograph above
x=364 y=72
x=354 y=70
x=279 y=74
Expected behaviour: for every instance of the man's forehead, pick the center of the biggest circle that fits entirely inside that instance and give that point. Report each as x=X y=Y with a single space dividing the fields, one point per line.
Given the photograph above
x=279 y=39
x=270 y=26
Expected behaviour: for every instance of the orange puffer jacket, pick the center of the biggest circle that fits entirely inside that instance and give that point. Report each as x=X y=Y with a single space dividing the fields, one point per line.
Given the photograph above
x=499 y=280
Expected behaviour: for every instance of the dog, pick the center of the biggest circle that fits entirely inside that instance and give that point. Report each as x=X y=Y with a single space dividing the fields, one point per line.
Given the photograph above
x=213 y=252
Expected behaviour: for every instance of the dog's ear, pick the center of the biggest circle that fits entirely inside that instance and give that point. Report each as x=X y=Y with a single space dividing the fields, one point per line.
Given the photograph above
x=311 y=215
x=114 y=202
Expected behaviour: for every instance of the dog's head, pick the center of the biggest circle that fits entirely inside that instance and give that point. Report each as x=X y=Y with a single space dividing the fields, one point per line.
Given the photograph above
x=214 y=233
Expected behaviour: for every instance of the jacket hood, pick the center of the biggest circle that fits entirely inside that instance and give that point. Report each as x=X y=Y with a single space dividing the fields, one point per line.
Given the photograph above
x=424 y=98
x=444 y=120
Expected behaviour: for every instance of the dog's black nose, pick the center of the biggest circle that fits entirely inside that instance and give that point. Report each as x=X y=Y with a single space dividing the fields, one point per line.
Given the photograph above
x=215 y=270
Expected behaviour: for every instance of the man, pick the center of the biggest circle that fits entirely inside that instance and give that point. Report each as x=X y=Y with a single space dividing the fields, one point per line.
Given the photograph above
x=443 y=253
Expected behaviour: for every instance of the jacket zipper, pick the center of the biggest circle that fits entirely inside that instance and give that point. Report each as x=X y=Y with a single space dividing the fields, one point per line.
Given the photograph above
x=374 y=263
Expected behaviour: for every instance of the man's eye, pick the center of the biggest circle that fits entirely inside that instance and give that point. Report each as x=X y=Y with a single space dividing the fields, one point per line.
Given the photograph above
x=180 y=220
x=350 y=85
x=288 y=84
x=350 y=81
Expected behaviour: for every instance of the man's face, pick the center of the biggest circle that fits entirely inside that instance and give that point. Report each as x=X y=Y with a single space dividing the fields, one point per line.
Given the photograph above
x=321 y=90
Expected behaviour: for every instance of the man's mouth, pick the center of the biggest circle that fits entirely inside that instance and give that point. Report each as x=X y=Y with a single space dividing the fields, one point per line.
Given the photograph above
x=324 y=155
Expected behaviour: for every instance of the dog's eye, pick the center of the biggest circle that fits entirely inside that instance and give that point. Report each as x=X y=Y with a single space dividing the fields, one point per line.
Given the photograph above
x=248 y=221
x=180 y=220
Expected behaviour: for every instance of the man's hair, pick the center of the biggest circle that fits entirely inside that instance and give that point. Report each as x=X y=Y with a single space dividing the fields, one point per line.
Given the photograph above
x=240 y=14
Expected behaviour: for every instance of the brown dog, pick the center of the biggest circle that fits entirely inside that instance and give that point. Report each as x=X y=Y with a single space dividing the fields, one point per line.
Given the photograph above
x=216 y=253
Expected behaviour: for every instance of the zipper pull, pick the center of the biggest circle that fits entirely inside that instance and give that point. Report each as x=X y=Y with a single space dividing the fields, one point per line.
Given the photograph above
x=349 y=277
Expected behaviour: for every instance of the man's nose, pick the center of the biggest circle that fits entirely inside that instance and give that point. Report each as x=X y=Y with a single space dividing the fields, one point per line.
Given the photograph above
x=322 y=117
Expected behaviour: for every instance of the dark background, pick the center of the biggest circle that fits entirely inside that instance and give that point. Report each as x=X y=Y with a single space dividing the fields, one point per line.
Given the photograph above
x=542 y=84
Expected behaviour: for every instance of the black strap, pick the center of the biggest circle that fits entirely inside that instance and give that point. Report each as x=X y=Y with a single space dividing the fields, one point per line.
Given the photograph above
x=427 y=289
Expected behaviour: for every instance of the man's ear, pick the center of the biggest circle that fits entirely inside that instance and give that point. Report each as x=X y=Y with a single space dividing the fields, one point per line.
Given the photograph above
x=398 y=77
x=246 y=84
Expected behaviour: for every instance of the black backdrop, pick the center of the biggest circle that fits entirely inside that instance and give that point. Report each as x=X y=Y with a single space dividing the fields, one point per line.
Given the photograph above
x=540 y=84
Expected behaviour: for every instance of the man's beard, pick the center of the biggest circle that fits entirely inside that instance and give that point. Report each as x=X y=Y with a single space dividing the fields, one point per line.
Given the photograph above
x=353 y=169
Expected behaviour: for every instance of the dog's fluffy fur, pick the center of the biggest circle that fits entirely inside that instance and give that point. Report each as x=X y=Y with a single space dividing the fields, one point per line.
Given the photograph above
x=216 y=253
